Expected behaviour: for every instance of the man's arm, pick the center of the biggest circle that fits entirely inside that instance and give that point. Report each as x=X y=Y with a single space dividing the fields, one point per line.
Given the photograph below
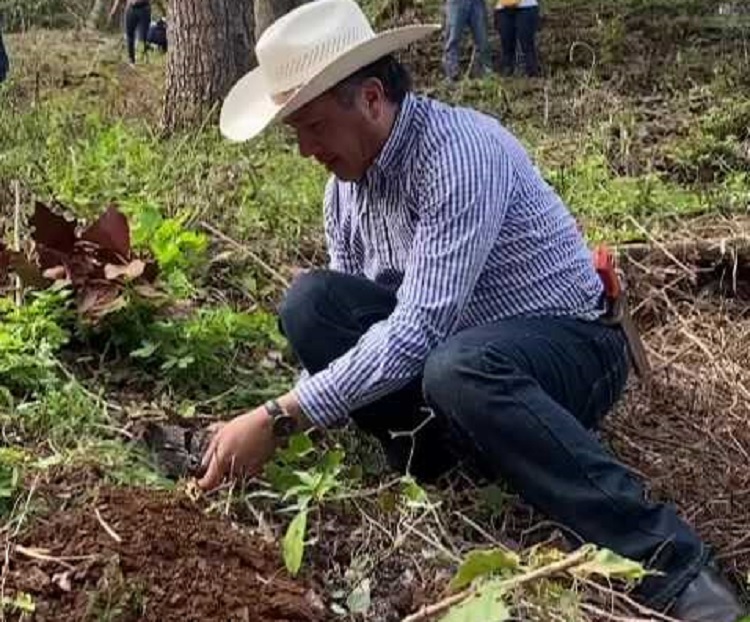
x=342 y=257
x=464 y=195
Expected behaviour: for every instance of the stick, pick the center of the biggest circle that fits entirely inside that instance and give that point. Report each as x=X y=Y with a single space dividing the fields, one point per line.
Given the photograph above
x=646 y=611
x=659 y=245
x=712 y=249
x=17 y=240
x=111 y=532
x=275 y=274
x=538 y=573
x=38 y=554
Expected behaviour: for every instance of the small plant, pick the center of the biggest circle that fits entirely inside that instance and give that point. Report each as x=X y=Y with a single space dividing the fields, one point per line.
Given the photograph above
x=205 y=351
x=303 y=475
x=96 y=263
x=9 y=486
x=30 y=338
x=486 y=579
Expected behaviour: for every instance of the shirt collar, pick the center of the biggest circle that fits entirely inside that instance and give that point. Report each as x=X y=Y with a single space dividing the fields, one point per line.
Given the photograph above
x=394 y=149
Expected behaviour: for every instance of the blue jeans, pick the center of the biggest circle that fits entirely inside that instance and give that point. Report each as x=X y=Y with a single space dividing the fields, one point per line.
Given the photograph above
x=460 y=14
x=516 y=399
x=3 y=60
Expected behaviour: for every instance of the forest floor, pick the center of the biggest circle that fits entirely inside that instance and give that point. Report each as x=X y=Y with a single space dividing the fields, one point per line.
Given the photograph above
x=642 y=124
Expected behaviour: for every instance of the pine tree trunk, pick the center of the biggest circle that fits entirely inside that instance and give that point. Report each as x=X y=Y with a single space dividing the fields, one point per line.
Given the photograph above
x=268 y=11
x=210 y=47
x=98 y=14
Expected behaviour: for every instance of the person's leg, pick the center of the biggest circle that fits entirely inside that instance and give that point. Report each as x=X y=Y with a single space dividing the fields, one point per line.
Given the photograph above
x=144 y=22
x=323 y=315
x=521 y=395
x=528 y=24
x=456 y=16
x=478 y=24
x=131 y=25
x=506 y=26
x=3 y=60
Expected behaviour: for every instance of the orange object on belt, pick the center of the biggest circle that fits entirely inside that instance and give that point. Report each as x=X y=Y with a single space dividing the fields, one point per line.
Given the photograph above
x=604 y=262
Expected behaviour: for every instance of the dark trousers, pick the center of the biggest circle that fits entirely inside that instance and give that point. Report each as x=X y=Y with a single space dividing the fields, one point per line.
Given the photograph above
x=518 y=25
x=3 y=60
x=137 y=22
x=518 y=399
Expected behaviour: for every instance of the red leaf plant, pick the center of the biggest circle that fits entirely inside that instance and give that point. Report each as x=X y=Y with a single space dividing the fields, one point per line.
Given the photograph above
x=96 y=261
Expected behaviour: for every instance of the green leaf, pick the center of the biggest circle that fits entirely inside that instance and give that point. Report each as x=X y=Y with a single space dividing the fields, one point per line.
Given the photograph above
x=146 y=350
x=609 y=564
x=481 y=563
x=20 y=602
x=294 y=542
x=415 y=495
x=484 y=605
x=359 y=600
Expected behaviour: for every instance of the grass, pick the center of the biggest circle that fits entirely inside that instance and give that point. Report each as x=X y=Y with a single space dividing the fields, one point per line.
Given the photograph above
x=81 y=128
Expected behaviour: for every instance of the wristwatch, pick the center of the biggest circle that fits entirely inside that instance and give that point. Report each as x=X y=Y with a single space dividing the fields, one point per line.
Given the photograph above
x=283 y=424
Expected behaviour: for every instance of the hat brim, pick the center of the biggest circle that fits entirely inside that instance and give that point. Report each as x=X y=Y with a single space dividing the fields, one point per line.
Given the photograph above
x=248 y=108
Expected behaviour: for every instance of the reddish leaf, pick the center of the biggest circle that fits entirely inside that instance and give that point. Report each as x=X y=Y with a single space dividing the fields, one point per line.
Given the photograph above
x=111 y=232
x=56 y=274
x=129 y=271
x=82 y=269
x=98 y=300
x=51 y=231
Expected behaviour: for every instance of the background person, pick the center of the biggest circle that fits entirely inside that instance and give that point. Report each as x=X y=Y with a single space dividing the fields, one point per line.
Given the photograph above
x=517 y=22
x=460 y=15
x=137 y=22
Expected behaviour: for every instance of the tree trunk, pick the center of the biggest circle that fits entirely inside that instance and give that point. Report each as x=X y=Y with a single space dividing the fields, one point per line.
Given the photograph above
x=211 y=45
x=98 y=14
x=268 y=11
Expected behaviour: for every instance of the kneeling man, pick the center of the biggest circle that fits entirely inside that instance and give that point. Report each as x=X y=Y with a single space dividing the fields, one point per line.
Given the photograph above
x=461 y=301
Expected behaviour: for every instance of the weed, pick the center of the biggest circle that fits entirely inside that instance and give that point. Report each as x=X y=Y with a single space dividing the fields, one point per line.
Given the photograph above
x=307 y=477
x=204 y=352
x=30 y=337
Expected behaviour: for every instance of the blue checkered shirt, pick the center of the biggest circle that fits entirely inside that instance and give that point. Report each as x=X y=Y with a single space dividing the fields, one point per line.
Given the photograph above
x=456 y=219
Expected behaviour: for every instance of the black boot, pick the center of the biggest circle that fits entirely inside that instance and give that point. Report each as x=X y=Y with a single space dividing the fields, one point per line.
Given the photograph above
x=708 y=598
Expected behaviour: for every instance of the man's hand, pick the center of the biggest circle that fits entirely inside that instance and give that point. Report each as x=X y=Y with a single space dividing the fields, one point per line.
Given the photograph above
x=240 y=447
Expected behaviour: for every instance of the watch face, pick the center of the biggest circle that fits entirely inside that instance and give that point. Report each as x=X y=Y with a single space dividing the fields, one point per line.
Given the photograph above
x=283 y=426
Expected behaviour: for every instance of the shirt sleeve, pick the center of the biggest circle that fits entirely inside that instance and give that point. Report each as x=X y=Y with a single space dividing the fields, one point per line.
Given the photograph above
x=341 y=256
x=463 y=196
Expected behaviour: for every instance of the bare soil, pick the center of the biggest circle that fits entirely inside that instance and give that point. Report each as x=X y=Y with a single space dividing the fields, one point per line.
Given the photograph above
x=136 y=554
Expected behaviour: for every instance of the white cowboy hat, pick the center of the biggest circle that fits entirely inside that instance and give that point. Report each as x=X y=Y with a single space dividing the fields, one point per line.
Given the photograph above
x=303 y=54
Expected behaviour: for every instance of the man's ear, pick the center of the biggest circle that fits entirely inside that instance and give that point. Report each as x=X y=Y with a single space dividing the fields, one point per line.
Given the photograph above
x=373 y=98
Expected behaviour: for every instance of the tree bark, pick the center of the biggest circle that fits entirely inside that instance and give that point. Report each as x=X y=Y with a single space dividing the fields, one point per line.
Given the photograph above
x=98 y=14
x=268 y=11
x=211 y=45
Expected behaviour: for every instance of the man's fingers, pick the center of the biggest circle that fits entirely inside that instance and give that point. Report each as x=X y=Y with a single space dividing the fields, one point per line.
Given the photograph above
x=210 y=450
x=214 y=473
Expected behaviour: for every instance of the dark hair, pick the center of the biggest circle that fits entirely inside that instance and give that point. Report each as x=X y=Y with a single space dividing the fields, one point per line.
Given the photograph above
x=390 y=72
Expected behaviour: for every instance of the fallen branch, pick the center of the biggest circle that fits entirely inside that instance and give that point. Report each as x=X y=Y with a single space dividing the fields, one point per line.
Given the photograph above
x=575 y=559
x=106 y=526
x=709 y=250
x=17 y=240
x=41 y=555
x=273 y=273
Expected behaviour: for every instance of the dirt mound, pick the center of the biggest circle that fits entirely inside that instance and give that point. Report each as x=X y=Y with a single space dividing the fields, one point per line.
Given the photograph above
x=133 y=554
